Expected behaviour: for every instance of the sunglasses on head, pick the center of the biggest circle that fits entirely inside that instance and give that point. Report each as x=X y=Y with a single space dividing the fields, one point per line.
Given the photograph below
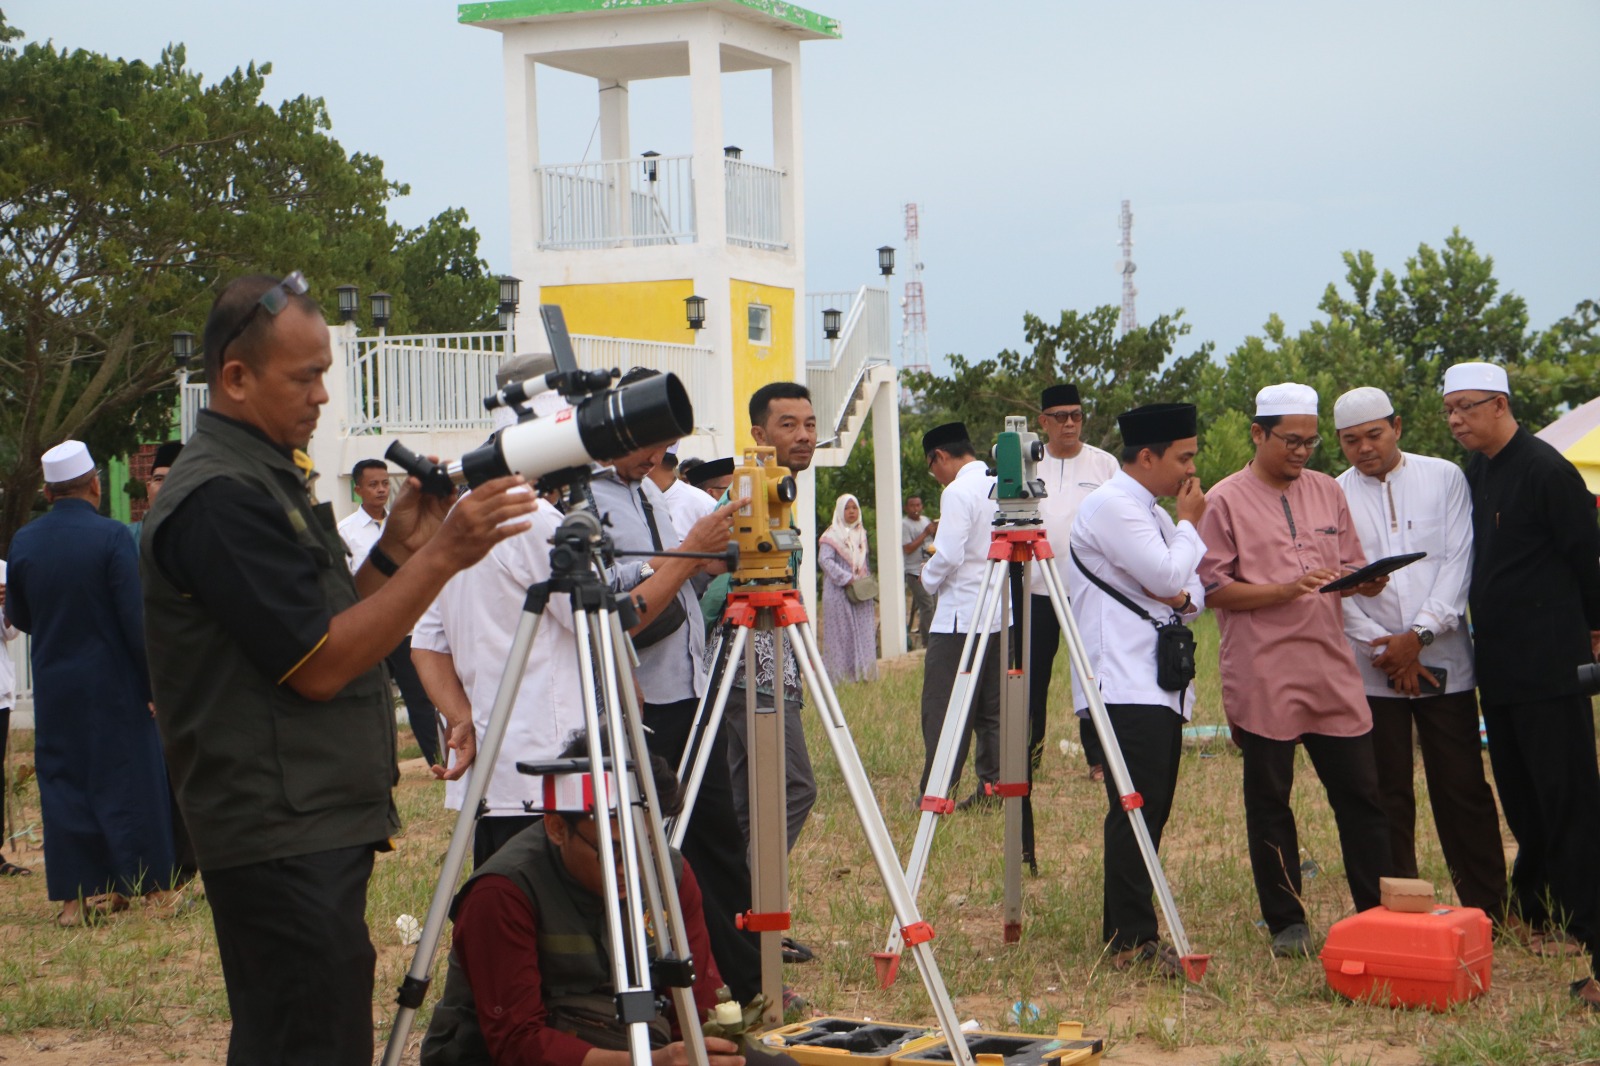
x=274 y=300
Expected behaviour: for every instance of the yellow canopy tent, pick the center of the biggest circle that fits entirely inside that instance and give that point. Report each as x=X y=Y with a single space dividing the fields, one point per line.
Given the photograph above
x=1576 y=435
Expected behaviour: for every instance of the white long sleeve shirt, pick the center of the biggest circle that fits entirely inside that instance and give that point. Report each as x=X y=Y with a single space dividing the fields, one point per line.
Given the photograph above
x=1068 y=483
x=961 y=550
x=473 y=621
x=687 y=505
x=359 y=531
x=1130 y=542
x=1423 y=505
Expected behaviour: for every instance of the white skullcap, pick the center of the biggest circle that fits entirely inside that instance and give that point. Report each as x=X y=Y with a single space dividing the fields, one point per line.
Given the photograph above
x=1365 y=404
x=67 y=460
x=1287 y=398
x=1484 y=376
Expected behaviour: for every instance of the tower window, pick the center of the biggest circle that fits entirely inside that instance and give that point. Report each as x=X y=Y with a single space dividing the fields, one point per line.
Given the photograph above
x=760 y=324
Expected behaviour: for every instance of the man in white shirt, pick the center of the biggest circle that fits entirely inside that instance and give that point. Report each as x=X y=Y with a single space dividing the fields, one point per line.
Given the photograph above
x=1414 y=634
x=955 y=574
x=685 y=503
x=7 y=684
x=1129 y=543
x=916 y=538
x=460 y=646
x=1070 y=471
x=360 y=530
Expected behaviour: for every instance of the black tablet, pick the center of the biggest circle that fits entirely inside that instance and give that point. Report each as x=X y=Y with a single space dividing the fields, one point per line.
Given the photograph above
x=1372 y=570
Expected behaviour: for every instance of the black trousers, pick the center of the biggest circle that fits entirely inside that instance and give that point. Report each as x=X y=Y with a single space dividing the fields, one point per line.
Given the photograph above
x=714 y=847
x=419 y=708
x=1044 y=644
x=296 y=957
x=1543 y=757
x=1151 y=738
x=1463 y=805
x=1350 y=777
x=938 y=678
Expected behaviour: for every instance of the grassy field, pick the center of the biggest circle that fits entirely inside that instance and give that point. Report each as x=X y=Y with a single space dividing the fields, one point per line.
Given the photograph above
x=142 y=990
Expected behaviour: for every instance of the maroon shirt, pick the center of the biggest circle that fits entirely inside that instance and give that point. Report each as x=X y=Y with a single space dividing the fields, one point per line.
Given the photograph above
x=495 y=938
x=1287 y=670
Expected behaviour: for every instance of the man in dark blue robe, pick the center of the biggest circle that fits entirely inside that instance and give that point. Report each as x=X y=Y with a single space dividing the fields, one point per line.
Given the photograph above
x=74 y=585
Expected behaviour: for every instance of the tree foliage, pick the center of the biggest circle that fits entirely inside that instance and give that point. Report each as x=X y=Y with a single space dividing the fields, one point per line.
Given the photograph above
x=129 y=193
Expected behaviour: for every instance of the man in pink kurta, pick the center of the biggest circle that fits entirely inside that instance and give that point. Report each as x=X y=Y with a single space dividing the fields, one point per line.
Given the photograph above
x=1275 y=533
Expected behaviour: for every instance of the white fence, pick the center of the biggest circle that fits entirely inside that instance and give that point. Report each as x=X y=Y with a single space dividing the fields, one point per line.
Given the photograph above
x=819 y=349
x=863 y=342
x=697 y=368
x=616 y=203
x=427 y=382
x=755 y=205
x=22 y=691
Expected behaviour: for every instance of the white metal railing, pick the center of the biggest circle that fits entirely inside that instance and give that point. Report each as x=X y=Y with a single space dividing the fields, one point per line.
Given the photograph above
x=819 y=349
x=433 y=381
x=755 y=205
x=697 y=368
x=191 y=398
x=862 y=343
x=616 y=203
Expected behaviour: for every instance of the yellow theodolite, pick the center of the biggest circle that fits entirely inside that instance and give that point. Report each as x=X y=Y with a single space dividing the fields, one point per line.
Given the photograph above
x=764 y=527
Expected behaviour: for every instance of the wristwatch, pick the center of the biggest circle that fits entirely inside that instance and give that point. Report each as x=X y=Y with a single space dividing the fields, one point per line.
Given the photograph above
x=1424 y=634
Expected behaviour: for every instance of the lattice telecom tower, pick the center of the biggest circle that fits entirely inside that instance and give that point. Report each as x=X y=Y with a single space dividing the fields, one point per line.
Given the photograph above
x=1125 y=267
x=913 y=313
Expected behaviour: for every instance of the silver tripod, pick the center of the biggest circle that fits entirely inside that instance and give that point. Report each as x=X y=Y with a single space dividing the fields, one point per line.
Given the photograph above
x=777 y=610
x=1019 y=542
x=611 y=711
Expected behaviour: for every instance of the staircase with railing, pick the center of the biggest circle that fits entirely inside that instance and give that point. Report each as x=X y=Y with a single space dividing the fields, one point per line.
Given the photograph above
x=844 y=373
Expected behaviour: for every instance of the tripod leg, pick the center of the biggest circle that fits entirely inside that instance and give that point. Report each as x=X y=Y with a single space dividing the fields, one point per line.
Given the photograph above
x=1014 y=744
x=1194 y=966
x=935 y=800
x=915 y=931
x=414 y=989
x=699 y=746
x=661 y=890
x=769 y=821
x=630 y=963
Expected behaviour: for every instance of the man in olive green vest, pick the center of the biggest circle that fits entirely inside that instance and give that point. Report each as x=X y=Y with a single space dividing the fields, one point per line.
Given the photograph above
x=264 y=658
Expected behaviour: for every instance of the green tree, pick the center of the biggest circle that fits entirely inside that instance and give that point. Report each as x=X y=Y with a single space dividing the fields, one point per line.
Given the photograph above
x=441 y=285
x=128 y=193
x=1113 y=373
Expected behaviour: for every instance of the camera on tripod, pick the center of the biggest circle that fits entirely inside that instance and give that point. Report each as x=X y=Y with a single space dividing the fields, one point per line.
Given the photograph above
x=601 y=423
x=1017 y=487
x=764 y=528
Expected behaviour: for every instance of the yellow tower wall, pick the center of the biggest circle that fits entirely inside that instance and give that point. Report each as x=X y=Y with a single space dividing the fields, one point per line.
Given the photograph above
x=755 y=365
x=637 y=310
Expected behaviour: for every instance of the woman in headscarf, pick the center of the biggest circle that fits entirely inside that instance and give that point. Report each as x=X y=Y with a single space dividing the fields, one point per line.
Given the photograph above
x=849 y=629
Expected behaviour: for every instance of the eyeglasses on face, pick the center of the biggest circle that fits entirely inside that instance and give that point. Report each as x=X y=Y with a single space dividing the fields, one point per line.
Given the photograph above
x=1063 y=416
x=274 y=300
x=1463 y=408
x=1297 y=444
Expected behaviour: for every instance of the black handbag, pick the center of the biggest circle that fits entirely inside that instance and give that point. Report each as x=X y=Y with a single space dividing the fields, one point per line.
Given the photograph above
x=674 y=614
x=1174 y=643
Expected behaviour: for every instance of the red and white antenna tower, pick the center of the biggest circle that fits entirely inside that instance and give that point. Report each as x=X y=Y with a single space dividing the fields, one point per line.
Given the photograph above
x=1125 y=267
x=914 y=315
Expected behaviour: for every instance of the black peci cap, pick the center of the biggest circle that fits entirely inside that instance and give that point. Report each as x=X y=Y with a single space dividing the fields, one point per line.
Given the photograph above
x=167 y=454
x=939 y=436
x=709 y=471
x=1058 y=396
x=1157 y=423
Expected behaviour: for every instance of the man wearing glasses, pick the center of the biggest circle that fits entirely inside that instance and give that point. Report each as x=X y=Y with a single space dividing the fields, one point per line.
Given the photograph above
x=264 y=657
x=1535 y=603
x=1275 y=533
x=1070 y=470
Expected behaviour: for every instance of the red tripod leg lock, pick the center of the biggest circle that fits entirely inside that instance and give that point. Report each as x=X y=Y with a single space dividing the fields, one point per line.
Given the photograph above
x=1004 y=789
x=1132 y=800
x=917 y=933
x=758 y=922
x=937 y=804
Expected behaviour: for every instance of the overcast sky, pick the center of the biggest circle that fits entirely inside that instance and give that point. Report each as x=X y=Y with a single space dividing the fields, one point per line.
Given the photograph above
x=1257 y=141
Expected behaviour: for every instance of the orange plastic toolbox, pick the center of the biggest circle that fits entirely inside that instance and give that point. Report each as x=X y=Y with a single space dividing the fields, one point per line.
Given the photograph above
x=1434 y=959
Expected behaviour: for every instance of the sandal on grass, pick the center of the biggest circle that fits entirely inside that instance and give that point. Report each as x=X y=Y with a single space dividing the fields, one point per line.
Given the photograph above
x=11 y=869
